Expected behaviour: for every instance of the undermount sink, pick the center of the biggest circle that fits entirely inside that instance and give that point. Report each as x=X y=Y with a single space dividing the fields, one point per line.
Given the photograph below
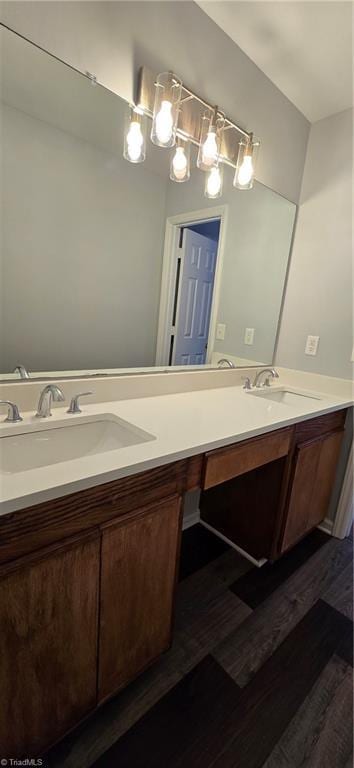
x=285 y=396
x=67 y=440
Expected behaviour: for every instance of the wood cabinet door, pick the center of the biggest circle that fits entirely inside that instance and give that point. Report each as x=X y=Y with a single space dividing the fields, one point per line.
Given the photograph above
x=315 y=466
x=48 y=644
x=138 y=577
x=326 y=471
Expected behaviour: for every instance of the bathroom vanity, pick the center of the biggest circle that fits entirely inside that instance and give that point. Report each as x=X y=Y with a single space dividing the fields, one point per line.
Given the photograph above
x=87 y=579
x=115 y=269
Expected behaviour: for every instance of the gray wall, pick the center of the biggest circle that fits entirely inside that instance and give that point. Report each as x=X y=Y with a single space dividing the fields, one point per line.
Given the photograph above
x=258 y=238
x=112 y=39
x=319 y=296
x=81 y=265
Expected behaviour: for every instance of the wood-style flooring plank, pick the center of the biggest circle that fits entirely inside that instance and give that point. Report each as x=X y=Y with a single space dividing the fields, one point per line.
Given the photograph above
x=259 y=583
x=229 y=567
x=267 y=705
x=206 y=721
x=199 y=547
x=244 y=651
x=335 y=744
x=169 y=729
x=207 y=612
x=345 y=650
x=350 y=762
x=320 y=734
x=340 y=593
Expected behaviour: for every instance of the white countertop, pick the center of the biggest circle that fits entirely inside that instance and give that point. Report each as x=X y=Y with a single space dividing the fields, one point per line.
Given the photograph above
x=182 y=424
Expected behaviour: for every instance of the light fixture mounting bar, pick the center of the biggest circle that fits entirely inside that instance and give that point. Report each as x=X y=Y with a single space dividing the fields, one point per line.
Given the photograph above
x=191 y=110
x=228 y=123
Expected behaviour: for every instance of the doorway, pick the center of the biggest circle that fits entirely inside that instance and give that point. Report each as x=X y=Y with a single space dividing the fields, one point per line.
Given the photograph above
x=190 y=287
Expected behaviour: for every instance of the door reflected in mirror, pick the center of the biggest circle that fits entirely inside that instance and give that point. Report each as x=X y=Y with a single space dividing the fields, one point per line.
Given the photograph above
x=109 y=265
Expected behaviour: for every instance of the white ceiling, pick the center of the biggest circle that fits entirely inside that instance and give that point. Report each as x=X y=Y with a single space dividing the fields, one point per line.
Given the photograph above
x=305 y=48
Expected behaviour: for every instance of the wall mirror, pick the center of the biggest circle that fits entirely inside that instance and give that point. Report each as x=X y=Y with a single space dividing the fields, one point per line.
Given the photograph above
x=107 y=265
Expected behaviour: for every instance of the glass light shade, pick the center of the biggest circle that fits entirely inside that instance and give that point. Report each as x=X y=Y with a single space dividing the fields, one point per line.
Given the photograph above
x=180 y=161
x=135 y=136
x=214 y=182
x=211 y=131
x=246 y=164
x=168 y=91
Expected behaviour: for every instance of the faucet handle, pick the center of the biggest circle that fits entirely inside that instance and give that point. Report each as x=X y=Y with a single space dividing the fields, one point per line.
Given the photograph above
x=12 y=412
x=247 y=384
x=74 y=402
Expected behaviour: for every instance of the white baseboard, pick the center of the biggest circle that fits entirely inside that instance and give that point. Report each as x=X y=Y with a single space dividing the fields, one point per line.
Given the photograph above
x=191 y=519
x=326 y=526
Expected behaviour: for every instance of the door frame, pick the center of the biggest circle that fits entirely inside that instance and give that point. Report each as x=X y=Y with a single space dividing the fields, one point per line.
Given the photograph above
x=168 y=278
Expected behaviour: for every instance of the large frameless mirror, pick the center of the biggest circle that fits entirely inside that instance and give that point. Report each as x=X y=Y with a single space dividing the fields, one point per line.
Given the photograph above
x=108 y=265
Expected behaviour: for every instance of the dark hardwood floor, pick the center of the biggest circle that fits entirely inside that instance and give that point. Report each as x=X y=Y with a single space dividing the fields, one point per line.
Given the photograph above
x=259 y=674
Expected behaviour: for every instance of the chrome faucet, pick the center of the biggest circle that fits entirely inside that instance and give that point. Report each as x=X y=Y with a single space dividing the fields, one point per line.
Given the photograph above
x=12 y=412
x=51 y=391
x=22 y=371
x=272 y=373
x=228 y=363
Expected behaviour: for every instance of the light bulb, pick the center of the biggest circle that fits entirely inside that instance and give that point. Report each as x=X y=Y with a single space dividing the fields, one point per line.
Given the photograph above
x=164 y=122
x=245 y=173
x=168 y=91
x=135 y=141
x=179 y=163
x=210 y=149
x=214 y=183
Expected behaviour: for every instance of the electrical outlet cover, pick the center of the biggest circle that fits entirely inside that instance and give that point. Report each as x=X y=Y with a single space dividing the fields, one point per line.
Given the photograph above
x=220 y=331
x=312 y=343
x=249 y=336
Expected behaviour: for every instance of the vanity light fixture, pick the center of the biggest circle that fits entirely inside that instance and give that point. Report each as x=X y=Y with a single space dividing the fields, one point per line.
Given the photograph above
x=135 y=136
x=211 y=132
x=214 y=182
x=180 y=161
x=180 y=117
x=246 y=162
x=168 y=90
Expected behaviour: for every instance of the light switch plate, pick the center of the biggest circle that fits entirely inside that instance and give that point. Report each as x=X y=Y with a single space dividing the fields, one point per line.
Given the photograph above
x=249 y=336
x=352 y=357
x=312 y=345
x=220 y=331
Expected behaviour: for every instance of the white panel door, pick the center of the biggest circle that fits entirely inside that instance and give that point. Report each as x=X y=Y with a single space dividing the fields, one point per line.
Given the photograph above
x=194 y=299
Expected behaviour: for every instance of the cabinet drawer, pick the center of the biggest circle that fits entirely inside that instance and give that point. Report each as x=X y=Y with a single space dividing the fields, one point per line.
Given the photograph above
x=226 y=463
